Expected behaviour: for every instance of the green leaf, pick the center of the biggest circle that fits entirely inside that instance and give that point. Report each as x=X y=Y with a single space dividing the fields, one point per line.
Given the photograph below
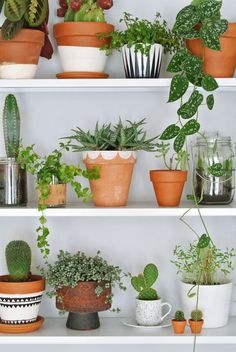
x=203 y=241
x=209 y=8
x=210 y=37
x=186 y=19
x=191 y=127
x=177 y=61
x=138 y=282
x=196 y=80
x=10 y=29
x=14 y=9
x=150 y=274
x=1 y=5
x=209 y=83
x=210 y=101
x=36 y=12
x=179 y=142
x=170 y=132
x=178 y=87
x=193 y=65
x=216 y=170
x=189 y=109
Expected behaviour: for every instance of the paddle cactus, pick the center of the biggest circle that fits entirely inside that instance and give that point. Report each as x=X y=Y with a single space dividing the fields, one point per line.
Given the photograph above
x=179 y=315
x=18 y=258
x=11 y=126
x=143 y=282
x=196 y=315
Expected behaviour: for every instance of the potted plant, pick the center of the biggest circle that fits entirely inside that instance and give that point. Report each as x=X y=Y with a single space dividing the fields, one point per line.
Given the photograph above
x=205 y=272
x=83 y=290
x=52 y=176
x=23 y=37
x=112 y=149
x=148 y=303
x=77 y=38
x=168 y=183
x=196 y=322
x=142 y=44
x=20 y=291
x=179 y=322
x=13 y=180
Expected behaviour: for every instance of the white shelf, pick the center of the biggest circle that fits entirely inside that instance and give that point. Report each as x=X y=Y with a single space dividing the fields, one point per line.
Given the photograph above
x=133 y=209
x=96 y=85
x=112 y=331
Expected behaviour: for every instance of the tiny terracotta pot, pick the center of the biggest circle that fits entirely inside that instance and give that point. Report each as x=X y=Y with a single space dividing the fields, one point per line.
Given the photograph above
x=168 y=186
x=19 y=56
x=116 y=168
x=178 y=326
x=196 y=326
x=57 y=195
x=219 y=64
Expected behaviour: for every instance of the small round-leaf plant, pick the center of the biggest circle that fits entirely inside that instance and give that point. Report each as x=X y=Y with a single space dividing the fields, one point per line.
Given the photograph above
x=83 y=10
x=144 y=281
x=179 y=316
x=51 y=170
x=31 y=14
x=70 y=269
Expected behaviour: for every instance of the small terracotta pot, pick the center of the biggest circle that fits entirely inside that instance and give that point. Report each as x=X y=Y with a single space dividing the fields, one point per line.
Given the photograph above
x=57 y=195
x=218 y=64
x=196 y=326
x=116 y=168
x=168 y=186
x=178 y=326
x=19 y=56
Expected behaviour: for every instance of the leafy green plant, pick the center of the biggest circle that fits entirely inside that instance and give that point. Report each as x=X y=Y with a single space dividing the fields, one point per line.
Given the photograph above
x=143 y=283
x=179 y=315
x=11 y=126
x=117 y=137
x=49 y=170
x=26 y=14
x=18 y=258
x=178 y=161
x=142 y=34
x=196 y=315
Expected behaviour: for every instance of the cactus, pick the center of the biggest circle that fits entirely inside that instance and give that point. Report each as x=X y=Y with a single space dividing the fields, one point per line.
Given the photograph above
x=11 y=126
x=143 y=282
x=18 y=258
x=179 y=315
x=196 y=315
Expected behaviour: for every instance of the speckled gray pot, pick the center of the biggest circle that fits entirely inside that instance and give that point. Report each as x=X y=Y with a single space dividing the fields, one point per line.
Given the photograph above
x=149 y=313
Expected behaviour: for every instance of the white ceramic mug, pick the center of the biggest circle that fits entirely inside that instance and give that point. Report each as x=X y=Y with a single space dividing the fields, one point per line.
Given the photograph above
x=149 y=313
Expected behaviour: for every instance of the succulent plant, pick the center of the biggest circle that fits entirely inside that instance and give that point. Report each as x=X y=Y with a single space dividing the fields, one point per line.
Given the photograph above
x=143 y=282
x=18 y=258
x=11 y=126
x=179 y=315
x=196 y=315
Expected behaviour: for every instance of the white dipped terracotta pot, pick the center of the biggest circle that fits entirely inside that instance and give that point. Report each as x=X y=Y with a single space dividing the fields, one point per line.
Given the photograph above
x=149 y=313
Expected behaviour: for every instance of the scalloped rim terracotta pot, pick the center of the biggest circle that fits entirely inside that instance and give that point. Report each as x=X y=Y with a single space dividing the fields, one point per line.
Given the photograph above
x=168 y=186
x=116 y=169
x=219 y=64
x=19 y=56
x=79 y=46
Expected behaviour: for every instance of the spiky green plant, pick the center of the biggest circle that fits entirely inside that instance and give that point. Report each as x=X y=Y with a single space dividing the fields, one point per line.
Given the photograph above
x=179 y=315
x=117 y=137
x=196 y=315
x=143 y=282
x=18 y=258
x=11 y=126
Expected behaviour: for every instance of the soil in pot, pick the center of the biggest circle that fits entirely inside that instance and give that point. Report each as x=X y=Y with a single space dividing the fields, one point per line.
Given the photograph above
x=179 y=326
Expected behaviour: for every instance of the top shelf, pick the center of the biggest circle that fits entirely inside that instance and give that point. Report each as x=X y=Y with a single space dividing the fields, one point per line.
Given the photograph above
x=97 y=85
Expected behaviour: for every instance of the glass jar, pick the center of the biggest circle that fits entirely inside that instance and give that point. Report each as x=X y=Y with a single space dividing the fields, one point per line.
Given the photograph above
x=212 y=150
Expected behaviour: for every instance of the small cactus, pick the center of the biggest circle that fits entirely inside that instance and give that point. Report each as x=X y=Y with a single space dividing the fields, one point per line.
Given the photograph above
x=179 y=315
x=18 y=258
x=143 y=282
x=196 y=315
x=11 y=126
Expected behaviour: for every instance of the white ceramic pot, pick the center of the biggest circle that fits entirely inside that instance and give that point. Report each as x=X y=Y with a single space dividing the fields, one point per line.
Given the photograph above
x=149 y=313
x=214 y=302
x=17 y=71
x=137 y=65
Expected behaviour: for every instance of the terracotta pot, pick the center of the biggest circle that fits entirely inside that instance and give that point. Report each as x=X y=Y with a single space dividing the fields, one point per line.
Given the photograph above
x=178 y=326
x=19 y=56
x=196 y=326
x=116 y=168
x=168 y=186
x=57 y=195
x=78 y=45
x=20 y=301
x=218 y=64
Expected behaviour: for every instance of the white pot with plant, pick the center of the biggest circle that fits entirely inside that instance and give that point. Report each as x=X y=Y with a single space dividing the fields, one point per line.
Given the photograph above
x=206 y=282
x=148 y=303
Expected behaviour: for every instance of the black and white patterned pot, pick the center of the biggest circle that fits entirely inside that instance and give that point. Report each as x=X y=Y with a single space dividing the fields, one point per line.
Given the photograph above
x=138 y=65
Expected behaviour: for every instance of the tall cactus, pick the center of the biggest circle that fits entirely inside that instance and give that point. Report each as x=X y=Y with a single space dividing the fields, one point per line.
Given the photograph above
x=143 y=282
x=11 y=126
x=18 y=258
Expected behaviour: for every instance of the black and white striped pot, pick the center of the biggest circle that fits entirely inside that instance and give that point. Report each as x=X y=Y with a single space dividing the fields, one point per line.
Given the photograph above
x=138 y=65
x=20 y=301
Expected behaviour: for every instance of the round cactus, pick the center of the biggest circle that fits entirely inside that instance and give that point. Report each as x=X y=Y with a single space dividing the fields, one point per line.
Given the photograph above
x=179 y=315
x=18 y=258
x=196 y=315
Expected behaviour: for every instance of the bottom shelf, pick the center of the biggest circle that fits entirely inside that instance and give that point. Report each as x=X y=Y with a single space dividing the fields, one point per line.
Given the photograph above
x=112 y=331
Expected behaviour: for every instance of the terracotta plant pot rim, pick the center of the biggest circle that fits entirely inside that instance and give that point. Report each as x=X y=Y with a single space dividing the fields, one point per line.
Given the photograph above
x=27 y=36
x=67 y=29
x=38 y=285
x=168 y=176
x=179 y=321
